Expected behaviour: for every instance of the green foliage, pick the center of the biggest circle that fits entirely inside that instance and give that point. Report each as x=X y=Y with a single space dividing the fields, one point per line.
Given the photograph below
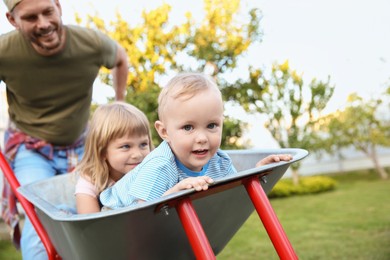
x=359 y=125
x=146 y=102
x=232 y=132
x=307 y=185
x=220 y=40
x=290 y=105
x=345 y=128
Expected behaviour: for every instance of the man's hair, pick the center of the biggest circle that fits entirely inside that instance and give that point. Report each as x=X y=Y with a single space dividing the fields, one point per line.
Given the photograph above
x=184 y=86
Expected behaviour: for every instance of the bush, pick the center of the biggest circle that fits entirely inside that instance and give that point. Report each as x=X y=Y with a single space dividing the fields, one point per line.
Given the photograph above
x=307 y=185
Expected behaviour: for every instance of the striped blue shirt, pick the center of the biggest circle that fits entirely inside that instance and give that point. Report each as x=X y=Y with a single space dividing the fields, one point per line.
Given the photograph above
x=157 y=173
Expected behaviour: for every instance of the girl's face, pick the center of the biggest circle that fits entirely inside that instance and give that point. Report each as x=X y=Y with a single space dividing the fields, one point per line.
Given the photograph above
x=125 y=153
x=193 y=128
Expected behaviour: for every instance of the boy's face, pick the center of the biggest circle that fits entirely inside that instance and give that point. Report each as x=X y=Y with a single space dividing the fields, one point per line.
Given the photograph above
x=193 y=127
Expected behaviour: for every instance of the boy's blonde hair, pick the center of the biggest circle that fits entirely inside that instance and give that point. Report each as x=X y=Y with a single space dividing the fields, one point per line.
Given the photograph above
x=184 y=85
x=110 y=121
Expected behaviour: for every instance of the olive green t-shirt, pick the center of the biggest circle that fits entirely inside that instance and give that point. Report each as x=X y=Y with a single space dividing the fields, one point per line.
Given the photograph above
x=49 y=97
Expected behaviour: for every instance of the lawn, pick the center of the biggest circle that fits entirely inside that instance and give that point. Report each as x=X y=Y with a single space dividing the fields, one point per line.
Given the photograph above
x=8 y=252
x=351 y=222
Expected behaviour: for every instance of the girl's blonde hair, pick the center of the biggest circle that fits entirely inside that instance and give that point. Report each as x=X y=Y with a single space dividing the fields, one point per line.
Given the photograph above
x=110 y=121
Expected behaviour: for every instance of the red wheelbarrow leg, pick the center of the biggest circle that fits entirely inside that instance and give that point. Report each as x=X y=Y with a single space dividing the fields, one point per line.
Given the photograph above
x=194 y=230
x=270 y=221
x=28 y=208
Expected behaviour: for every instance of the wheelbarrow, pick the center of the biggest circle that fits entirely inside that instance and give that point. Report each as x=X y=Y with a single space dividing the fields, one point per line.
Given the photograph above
x=183 y=225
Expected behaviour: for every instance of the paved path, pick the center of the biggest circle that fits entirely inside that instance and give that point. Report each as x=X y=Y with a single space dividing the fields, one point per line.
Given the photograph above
x=4 y=230
x=4 y=233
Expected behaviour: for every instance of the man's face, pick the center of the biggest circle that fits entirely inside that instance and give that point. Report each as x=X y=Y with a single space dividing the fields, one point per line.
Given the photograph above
x=40 y=22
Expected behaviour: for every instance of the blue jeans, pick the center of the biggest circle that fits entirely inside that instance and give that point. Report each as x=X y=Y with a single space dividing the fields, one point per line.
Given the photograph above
x=30 y=166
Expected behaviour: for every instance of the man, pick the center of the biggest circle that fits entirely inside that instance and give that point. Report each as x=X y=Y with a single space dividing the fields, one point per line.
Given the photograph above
x=49 y=70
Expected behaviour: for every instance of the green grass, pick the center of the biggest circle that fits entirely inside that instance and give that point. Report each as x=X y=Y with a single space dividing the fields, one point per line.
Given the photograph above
x=8 y=251
x=351 y=222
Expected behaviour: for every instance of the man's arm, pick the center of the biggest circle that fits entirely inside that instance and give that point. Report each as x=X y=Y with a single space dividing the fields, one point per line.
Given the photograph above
x=119 y=74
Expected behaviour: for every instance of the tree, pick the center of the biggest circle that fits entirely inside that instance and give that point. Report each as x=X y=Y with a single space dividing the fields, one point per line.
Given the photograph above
x=357 y=125
x=290 y=105
x=219 y=41
x=156 y=48
x=151 y=48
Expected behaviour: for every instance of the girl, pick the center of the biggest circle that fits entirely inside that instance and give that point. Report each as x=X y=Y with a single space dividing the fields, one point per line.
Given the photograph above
x=118 y=140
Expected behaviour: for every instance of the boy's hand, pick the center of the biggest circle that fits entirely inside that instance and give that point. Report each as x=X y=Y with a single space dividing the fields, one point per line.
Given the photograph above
x=198 y=183
x=274 y=158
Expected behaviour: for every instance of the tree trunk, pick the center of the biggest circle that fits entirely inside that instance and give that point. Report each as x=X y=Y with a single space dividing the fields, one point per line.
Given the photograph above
x=381 y=171
x=340 y=161
x=295 y=176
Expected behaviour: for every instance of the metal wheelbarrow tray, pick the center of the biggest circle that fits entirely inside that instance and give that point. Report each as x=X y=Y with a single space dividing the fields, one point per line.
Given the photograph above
x=184 y=225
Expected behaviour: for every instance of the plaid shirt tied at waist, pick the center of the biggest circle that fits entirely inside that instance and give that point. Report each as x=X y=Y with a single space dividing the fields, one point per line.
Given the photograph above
x=15 y=138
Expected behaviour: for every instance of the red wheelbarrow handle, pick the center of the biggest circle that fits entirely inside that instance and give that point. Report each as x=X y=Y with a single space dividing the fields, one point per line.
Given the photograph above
x=28 y=208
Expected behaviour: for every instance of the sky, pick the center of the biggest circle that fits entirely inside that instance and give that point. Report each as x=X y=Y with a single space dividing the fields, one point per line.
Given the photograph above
x=346 y=40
